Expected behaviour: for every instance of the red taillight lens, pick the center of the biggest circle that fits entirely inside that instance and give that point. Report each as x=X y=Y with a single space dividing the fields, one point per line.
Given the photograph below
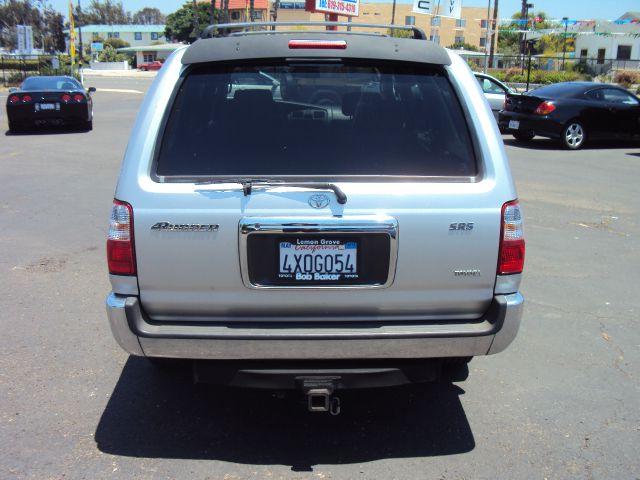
x=120 y=245
x=511 y=255
x=78 y=97
x=318 y=44
x=26 y=98
x=14 y=99
x=545 y=108
x=66 y=97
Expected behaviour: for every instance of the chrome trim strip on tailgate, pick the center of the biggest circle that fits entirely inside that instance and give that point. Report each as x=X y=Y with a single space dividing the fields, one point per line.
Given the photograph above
x=324 y=225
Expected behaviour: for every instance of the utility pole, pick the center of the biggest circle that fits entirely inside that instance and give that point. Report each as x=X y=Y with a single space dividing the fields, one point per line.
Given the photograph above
x=523 y=16
x=393 y=13
x=80 y=42
x=196 y=26
x=251 y=5
x=486 y=38
x=493 y=31
x=526 y=6
x=564 y=40
x=213 y=13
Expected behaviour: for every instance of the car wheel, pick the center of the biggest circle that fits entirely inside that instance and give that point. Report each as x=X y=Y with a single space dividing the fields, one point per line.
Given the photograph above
x=574 y=136
x=524 y=136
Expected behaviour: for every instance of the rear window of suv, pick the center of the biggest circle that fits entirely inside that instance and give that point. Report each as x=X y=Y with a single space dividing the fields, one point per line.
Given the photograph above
x=320 y=120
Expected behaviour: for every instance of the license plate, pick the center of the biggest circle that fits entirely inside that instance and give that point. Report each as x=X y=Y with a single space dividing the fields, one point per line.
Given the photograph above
x=318 y=260
x=514 y=124
x=47 y=106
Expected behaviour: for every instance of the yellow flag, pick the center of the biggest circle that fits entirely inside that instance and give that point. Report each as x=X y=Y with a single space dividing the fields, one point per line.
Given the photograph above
x=72 y=35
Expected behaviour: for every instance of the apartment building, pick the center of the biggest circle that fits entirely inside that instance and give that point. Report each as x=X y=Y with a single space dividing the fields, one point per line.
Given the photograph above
x=471 y=28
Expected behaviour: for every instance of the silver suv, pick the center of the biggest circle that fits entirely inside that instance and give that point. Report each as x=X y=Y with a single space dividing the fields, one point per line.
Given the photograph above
x=350 y=224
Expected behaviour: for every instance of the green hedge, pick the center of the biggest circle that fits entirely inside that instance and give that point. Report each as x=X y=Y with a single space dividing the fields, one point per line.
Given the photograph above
x=515 y=75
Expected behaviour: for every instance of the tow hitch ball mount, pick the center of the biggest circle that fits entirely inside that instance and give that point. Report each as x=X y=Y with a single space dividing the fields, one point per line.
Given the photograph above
x=320 y=397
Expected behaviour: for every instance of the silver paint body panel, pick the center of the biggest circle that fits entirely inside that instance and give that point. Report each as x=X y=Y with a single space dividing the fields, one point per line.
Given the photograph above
x=198 y=276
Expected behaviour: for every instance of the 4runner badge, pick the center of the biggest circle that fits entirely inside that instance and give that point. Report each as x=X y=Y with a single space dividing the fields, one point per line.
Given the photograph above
x=319 y=200
x=184 y=227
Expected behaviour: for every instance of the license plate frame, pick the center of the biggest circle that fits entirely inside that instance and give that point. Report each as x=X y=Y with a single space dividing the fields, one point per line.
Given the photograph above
x=377 y=249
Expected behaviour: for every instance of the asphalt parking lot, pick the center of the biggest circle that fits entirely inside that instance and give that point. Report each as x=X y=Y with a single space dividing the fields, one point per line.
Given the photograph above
x=561 y=402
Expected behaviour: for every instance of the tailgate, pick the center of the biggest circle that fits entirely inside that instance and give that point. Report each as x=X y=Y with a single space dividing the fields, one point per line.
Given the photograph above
x=423 y=253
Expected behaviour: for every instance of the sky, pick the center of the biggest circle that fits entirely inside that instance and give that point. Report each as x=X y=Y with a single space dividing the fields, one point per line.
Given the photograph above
x=574 y=9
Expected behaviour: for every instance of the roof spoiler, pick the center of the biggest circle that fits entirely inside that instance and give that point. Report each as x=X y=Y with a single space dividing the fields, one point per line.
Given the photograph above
x=244 y=28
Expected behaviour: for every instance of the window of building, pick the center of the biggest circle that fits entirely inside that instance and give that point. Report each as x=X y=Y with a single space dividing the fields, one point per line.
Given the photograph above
x=624 y=52
x=584 y=53
x=435 y=21
x=483 y=24
x=483 y=41
x=137 y=35
x=235 y=15
x=113 y=35
x=154 y=35
x=149 y=57
x=459 y=40
x=601 y=54
x=95 y=35
x=461 y=23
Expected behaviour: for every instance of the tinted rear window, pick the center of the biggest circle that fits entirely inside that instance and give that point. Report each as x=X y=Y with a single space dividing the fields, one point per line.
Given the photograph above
x=320 y=120
x=50 y=83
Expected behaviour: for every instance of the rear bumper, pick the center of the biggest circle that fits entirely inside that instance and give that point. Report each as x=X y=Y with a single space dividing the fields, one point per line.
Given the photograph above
x=138 y=335
x=543 y=126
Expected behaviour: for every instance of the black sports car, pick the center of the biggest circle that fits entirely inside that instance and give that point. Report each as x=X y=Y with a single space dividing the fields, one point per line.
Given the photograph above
x=43 y=101
x=572 y=112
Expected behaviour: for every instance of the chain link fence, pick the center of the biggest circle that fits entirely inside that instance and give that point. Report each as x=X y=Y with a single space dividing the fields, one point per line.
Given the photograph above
x=589 y=66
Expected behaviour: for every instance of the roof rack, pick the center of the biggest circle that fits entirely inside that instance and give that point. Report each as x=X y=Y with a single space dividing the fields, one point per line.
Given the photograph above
x=223 y=29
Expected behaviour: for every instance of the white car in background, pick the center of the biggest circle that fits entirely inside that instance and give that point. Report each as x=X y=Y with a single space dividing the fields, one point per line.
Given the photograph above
x=494 y=91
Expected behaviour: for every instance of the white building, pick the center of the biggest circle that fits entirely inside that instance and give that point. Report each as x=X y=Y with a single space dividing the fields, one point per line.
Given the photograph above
x=134 y=35
x=611 y=44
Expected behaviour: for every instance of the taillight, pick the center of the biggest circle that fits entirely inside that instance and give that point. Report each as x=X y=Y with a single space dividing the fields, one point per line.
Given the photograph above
x=26 y=98
x=120 y=246
x=511 y=256
x=318 y=44
x=78 y=97
x=545 y=108
x=66 y=97
x=14 y=99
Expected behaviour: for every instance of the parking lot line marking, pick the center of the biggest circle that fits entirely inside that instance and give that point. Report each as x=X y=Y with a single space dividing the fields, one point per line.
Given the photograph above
x=118 y=90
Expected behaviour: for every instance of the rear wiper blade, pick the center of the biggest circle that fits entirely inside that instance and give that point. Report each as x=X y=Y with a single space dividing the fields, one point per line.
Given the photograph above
x=249 y=183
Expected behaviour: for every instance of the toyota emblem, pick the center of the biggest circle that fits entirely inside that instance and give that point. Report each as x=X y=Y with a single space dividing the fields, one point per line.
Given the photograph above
x=319 y=200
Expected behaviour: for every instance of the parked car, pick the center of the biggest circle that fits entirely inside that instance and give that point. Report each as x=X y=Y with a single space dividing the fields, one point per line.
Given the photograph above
x=44 y=100
x=274 y=242
x=494 y=90
x=573 y=113
x=155 y=65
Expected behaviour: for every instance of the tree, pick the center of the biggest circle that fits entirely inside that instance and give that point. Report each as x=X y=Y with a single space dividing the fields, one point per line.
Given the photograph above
x=179 y=26
x=53 y=31
x=103 y=12
x=47 y=24
x=149 y=16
